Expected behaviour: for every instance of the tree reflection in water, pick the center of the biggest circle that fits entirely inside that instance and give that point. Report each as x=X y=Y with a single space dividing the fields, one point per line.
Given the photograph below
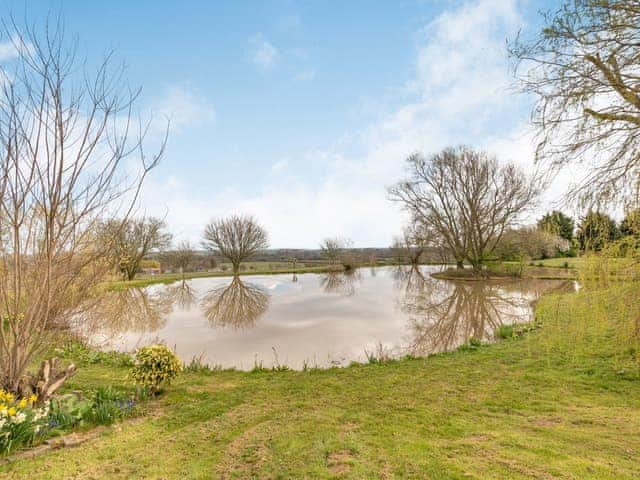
x=138 y=310
x=446 y=314
x=181 y=294
x=341 y=283
x=238 y=305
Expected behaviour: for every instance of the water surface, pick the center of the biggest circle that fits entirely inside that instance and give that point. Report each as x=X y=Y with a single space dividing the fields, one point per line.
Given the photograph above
x=313 y=319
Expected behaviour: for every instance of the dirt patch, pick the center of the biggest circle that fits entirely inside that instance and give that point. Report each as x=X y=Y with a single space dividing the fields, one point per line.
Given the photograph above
x=246 y=454
x=339 y=462
x=547 y=422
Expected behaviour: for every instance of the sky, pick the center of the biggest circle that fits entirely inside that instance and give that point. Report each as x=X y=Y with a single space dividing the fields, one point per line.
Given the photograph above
x=302 y=113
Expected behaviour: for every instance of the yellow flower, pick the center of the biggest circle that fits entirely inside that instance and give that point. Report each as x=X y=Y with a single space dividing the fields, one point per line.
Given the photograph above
x=33 y=399
x=22 y=403
x=11 y=412
x=9 y=397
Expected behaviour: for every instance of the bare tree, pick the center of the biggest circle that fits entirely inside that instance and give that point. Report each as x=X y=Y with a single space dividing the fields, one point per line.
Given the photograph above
x=63 y=145
x=236 y=238
x=465 y=199
x=331 y=248
x=412 y=245
x=340 y=250
x=583 y=70
x=130 y=241
x=181 y=257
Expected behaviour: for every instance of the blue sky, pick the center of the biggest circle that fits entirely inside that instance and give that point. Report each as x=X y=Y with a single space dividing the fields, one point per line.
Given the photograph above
x=302 y=112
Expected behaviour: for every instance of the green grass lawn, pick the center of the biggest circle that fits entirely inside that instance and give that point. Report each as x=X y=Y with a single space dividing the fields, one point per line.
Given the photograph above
x=523 y=408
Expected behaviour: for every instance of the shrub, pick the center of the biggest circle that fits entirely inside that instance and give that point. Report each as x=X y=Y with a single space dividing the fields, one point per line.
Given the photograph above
x=155 y=366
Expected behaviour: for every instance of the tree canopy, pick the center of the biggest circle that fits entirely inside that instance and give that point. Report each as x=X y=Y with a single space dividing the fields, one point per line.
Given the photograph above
x=557 y=223
x=596 y=230
x=466 y=199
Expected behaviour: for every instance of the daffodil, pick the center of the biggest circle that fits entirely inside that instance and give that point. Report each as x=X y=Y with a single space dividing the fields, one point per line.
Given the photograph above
x=11 y=411
x=22 y=403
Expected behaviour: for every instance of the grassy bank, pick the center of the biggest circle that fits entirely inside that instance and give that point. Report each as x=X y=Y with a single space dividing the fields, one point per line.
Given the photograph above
x=560 y=402
x=165 y=278
x=509 y=270
x=275 y=268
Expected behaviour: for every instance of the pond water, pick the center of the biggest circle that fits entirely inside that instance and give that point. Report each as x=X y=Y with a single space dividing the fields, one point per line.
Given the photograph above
x=313 y=319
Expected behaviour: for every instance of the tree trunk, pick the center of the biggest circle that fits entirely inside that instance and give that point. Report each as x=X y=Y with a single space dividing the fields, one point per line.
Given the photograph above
x=460 y=264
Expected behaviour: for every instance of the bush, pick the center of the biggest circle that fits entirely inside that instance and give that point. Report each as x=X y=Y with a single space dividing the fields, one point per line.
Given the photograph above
x=155 y=366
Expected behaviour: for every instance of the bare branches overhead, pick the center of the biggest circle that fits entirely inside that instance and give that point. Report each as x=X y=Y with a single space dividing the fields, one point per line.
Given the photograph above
x=65 y=135
x=583 y=69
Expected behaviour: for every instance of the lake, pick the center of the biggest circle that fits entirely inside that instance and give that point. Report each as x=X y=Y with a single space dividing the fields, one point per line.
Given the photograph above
x=318 y=320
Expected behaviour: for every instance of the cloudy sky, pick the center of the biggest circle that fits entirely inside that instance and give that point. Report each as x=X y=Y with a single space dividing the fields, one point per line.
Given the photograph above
x=301 y=113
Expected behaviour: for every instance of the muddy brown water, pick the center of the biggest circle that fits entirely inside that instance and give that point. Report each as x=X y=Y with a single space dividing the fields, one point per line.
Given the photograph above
x=314 y=319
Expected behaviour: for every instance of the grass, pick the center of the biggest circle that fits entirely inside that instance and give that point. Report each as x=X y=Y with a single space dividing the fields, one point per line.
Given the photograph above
x=570 y=262
x=539 y=405
x=506 y=270
x=165 y=278
x=248 y=268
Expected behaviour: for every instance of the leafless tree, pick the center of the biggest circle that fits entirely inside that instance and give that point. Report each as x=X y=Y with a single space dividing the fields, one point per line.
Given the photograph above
x=128 y=242
x=181 y=257
x=236 y=238
x=64 y=139
x=413 y=244
x=340 y=250
x=332 y=247
x=583 y=70
x=465 y=199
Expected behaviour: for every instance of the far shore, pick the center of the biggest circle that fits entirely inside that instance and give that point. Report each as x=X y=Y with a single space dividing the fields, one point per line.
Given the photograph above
x=548 y=269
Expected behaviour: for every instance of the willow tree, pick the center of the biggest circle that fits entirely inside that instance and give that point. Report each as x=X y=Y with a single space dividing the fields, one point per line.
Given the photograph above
x=236 y=238
x=465 y=199
x=582 y=69
x=65 y=135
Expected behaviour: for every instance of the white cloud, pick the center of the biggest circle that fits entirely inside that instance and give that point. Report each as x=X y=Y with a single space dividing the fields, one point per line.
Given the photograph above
x=184 y=108
x=11 y=48
x=461 y=95
x=263 y=53
x=280 y=165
